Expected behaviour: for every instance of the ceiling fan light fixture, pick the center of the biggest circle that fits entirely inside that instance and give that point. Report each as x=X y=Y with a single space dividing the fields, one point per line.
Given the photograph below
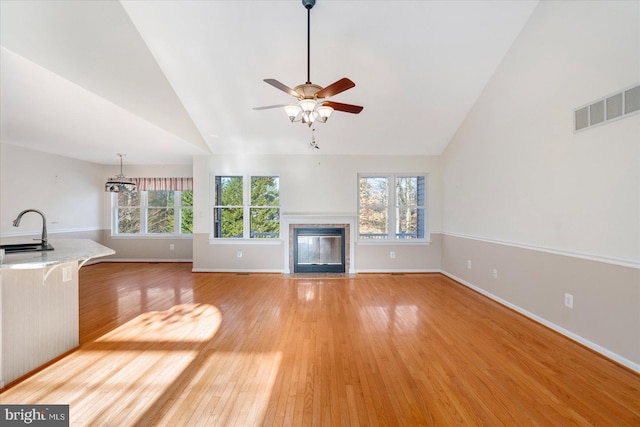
x=292 y=110
x=324 y=112
x=312 y=105
x=307 y=105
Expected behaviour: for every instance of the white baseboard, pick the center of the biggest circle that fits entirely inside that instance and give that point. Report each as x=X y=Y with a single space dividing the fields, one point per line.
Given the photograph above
x=144 y=260
x=401 y=270
x=573 y=336
x=232 y=270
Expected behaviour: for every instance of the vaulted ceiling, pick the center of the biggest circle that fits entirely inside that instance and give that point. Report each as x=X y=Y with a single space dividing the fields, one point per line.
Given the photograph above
x=163 y=81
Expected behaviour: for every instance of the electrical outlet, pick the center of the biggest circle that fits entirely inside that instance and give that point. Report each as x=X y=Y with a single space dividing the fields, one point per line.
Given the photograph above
x=67 y=274
x=568 y=300
x=392 y=254
x=171 y=246
x=495 y=273
x=239 y=254
x=469 y=264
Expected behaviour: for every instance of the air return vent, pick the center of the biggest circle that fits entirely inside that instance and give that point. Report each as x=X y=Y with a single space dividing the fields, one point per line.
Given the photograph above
x=607 y=109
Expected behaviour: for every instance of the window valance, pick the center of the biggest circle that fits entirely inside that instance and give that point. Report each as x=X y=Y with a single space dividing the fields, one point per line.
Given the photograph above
x=166 y=184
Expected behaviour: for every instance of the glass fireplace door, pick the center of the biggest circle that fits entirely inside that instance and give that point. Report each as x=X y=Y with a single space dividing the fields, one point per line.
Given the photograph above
x=319 y=250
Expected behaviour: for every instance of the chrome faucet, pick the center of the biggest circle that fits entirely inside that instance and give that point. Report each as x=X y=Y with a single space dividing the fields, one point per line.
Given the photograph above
x=16 y=223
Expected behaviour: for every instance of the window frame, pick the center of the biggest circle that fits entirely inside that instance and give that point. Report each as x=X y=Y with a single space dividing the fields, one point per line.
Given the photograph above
x=144 y=217
x=391 y=208
x=246 y=210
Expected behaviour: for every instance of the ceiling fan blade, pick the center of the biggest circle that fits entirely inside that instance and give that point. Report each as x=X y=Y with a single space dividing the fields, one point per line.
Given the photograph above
x=282 y=87
x=335 y=88
x=347 y=108
x=270 y=106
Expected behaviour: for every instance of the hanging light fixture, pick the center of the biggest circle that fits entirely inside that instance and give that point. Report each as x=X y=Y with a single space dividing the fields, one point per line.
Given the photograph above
x=120 y=182
x=312 y=103
x=308 y=111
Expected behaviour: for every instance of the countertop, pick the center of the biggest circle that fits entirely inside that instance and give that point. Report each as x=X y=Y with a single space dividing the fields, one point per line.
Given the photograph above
x=64 y=250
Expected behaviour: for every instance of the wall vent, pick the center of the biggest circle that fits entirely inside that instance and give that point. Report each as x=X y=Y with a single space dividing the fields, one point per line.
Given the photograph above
x=607 y=109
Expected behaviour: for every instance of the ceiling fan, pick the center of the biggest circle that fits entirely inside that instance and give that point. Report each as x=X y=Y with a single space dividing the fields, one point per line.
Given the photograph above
x=312 y=102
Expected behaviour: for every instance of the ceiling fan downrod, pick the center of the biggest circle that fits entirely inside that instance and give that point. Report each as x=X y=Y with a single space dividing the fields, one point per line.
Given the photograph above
x=308 y=4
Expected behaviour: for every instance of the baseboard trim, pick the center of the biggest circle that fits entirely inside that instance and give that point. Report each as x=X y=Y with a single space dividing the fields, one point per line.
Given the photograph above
x=398 y=270
x=144 y=260
x=571 y=335
x=235 y=270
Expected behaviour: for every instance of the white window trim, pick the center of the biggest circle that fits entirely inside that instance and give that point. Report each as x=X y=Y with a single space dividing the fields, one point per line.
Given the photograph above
x=246 y=219
x=144 y=234
x=392 y=205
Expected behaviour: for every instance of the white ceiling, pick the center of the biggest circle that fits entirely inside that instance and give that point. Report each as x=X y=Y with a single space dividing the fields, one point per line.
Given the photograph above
x=165 y=80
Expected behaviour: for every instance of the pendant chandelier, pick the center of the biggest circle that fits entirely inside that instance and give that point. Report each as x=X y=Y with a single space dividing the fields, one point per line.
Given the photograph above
x=120 y=182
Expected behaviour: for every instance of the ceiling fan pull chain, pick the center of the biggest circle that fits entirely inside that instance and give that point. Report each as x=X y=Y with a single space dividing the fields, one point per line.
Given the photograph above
x=313 y=144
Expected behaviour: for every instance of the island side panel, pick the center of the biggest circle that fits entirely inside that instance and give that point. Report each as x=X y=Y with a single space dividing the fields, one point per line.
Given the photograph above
x=39 y=318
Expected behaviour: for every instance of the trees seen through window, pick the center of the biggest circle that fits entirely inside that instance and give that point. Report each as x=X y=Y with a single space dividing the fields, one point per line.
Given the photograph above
x=392 y=207
x=153 y=212
x=246 y=207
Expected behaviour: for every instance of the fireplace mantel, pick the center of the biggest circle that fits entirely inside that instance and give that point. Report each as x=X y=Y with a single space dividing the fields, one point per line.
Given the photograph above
x=288 y=220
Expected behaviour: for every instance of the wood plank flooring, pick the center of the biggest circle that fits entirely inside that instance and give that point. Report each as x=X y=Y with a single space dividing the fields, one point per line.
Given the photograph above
x=163 y=346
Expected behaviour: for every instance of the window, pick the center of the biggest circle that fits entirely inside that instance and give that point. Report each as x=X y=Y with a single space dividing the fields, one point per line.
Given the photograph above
x=153 y=213
x=246 y=207
x=392 y=207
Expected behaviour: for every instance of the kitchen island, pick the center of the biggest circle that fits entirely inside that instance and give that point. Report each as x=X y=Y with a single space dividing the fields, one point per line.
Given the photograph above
x=39 y=317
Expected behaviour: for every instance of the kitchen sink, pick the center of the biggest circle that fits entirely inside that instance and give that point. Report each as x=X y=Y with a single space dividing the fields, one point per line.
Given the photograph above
x=26 y=247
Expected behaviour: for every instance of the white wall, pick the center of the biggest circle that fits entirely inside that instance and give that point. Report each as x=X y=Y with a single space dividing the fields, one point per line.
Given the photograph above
x=69 y=192
x=309 y=184
x=151 y=171
x=516 y=172
x=550 y=210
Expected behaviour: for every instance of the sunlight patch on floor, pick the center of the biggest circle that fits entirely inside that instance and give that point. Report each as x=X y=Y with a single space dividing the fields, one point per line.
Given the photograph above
x=135 y=383
x=152 y=369
x=237 y=386
x=127 y=372
x=184 y=322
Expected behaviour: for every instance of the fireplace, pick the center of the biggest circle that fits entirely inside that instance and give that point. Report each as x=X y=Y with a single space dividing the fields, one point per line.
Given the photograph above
x=319 y=250
x=291 y=222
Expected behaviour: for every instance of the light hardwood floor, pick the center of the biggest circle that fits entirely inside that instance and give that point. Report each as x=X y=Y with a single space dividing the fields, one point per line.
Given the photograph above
x=163 y=346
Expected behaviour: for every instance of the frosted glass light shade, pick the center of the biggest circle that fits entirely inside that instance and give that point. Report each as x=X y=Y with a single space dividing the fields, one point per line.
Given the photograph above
x=307 y=105
x=324 y=112
x=292 y=111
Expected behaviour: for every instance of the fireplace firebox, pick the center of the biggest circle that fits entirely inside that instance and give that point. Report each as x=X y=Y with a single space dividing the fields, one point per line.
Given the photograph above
x=319 y=250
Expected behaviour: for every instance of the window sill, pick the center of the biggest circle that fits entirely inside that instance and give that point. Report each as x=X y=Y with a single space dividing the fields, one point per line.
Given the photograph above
x=263 y=242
